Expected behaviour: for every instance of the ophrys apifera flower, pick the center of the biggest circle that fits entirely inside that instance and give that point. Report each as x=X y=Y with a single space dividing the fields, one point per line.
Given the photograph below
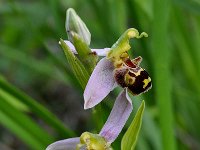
x=117 y=67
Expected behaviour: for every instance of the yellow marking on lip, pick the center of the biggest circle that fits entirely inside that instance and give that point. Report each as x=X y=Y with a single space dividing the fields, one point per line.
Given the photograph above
x=129 y=80
x=146 y=81
x=137 y=73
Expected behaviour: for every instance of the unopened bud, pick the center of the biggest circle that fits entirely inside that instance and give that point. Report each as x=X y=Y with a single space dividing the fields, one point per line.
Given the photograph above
x=76 y=25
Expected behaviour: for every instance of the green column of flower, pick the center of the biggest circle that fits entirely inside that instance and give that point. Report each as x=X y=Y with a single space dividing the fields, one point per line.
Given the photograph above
x=161 y=54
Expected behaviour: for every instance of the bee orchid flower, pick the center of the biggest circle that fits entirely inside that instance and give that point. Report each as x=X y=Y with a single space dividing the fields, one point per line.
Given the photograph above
x=116 y=69
x=110 y=131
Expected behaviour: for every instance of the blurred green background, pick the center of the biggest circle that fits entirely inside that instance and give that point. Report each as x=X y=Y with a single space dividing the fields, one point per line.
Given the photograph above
x=40 y=99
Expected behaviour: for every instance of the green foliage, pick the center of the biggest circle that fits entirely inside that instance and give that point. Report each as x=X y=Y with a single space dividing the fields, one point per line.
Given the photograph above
x=14 y=101
x=31 y=59
x=130 y=137
x=32 y=133
x=86 y=56
x=161 y=55
x=32 y=105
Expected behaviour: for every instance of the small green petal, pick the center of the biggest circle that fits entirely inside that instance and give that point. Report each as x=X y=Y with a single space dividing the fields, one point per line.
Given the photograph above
x=119 y=49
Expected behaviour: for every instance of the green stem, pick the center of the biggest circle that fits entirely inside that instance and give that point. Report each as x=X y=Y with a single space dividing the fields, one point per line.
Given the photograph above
x=162 y=83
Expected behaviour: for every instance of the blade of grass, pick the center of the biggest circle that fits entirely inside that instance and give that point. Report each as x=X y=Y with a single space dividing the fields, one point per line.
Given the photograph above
x=142 y=143
x=30 y=62
x=162 y=82
x=130 y=137
x=25 y=122
x=19 y=131
x=37 y=108
x=54 y=6
x=14 y=101
x=99 y=8
x=116 y=16
x=186 y=58
x=197 y=39
x=191 y=5
x=151 y=130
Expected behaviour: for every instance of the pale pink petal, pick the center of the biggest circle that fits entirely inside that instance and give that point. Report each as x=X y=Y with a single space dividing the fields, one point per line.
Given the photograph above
x=100 y=83
x=118 y=117
x=99 y=52
x=67 y=144
x=71 y=46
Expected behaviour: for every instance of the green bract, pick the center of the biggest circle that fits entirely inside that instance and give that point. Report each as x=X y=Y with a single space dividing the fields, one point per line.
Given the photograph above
x=79 y=35
x=130 y=137
x=78 y=69
x=86 y=56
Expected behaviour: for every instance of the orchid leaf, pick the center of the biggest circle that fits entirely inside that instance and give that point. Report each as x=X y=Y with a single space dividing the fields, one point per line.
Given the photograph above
x=87 y=57
x=130 y=137
x=78 y=69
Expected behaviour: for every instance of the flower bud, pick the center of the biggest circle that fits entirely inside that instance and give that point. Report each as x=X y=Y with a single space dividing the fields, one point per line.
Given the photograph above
x=74 y=24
